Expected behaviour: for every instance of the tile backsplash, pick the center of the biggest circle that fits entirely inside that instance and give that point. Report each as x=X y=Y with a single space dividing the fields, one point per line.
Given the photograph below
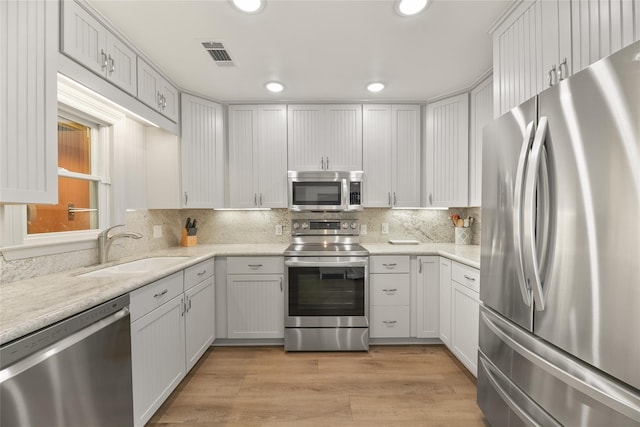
x=429 y=226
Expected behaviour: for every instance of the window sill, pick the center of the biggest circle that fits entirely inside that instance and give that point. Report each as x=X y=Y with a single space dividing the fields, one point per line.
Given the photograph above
x=51 y=245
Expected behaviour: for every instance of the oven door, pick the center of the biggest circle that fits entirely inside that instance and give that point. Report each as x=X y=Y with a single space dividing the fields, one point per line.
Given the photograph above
x=325 y=292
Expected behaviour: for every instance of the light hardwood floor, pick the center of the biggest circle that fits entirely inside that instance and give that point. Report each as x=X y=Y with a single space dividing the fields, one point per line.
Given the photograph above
x=265 y=386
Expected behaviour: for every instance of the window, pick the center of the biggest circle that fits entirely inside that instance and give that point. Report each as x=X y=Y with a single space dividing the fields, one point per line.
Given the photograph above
x=78 y=185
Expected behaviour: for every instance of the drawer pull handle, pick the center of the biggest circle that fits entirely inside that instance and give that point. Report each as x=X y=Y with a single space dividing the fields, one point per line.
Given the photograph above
x=469 y=278
x=255 y=265
x=158 y=295
x=390 y=290
x=389 y=322
x=203 y=272
x=390 y=265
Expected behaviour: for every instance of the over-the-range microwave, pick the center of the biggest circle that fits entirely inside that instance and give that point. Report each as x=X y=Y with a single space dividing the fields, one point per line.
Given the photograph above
x=325 y=191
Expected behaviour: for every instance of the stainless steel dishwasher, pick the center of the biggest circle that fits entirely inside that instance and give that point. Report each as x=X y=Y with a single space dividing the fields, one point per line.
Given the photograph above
x=74 y=373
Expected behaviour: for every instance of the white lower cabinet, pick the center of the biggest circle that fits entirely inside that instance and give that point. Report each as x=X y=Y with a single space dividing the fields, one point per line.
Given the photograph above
x=255 y=297
x=172 y=324
x=445 y=301
x=465 y=309
x=427 y=293
x=389 y=283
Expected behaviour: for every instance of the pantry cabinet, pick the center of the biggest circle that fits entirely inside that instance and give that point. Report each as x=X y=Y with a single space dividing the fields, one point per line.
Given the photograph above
x=90 y=43
x=391 y=155
x=428 y=300
x=324 y=137
x=202 y=153
x=481 y=114
x=155 y=91
x=257 y=156
x=390 y=297
x=255 y=297
x=447 y=151
x=28 y=107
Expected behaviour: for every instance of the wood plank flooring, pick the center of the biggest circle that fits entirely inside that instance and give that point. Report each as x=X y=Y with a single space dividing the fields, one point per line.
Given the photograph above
x=265 y=386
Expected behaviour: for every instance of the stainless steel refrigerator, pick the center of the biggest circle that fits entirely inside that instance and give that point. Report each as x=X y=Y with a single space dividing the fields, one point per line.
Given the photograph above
x=560 y=265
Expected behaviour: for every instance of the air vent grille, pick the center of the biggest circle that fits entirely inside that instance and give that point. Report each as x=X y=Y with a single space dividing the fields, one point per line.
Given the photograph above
x=218 y=52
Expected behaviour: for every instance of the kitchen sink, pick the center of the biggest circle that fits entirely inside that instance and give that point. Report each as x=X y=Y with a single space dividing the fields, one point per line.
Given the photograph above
x=139 y=266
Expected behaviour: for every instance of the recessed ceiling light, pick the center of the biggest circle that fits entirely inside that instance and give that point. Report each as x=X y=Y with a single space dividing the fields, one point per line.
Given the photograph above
x=410 y=7
x=248 y=6
x=274 y=87
x=375 y=87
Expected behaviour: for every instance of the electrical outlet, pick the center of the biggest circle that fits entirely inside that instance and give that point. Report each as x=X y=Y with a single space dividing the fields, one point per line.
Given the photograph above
x=363 y=228
x=278 y=230
x=157 y=231
x=385 y=228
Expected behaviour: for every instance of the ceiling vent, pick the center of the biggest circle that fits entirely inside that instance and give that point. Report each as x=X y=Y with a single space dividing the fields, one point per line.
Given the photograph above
x=218 y=53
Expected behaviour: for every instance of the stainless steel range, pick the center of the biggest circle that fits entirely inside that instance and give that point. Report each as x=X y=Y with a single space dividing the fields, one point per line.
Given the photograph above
x=327 y=293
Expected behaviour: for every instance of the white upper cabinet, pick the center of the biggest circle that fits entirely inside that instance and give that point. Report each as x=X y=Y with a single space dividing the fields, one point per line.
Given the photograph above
x=258 y=156
x=202 y=153
x=155 y=91
x=391 y=155
x=91 y=44
x=599 y=28
x=28 y=105
x=481 y=111
x=447 y=147
x=324 y=137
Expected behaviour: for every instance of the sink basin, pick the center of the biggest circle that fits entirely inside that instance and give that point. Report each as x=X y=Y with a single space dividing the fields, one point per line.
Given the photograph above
x=139 y=266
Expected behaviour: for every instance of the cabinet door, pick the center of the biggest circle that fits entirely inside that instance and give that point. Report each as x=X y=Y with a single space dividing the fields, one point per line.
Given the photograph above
x=465 y=308
x=599 y=28
x=377 y=159
x=121 y=65
x=406 y=156
x=170 y=100
x=445 y=301
x=343 y=137
x=255 y=306
x=199 y=320
x=149 y=85
x=157 y=357
x=242 y=162
x=202 y=168
x=305 y=138
x=28 y=106
x=427 y=307
x=481 y=114
x=447 y=152
x=84 y=37
x=271 y=159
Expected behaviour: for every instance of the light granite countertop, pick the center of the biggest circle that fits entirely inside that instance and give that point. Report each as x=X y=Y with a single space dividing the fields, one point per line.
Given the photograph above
x=32 y=304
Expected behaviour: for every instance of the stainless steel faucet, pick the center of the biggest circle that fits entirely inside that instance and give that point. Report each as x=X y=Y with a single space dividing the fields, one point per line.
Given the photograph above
x=104 y=241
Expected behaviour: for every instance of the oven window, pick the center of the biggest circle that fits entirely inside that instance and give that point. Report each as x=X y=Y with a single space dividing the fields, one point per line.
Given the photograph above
x=317 y=193
x=326 y=291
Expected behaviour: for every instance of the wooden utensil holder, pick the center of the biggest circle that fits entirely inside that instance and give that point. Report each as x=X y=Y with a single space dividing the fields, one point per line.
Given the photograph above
x=187 y=240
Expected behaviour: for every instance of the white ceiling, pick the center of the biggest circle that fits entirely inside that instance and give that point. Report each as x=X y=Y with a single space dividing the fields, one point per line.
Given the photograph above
x=321 y=50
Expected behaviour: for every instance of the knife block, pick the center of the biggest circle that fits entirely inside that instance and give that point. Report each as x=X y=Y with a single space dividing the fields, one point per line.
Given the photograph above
x=187 y=240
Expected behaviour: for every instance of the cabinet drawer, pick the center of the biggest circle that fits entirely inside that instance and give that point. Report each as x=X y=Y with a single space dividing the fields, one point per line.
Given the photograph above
x=389 y=289
x=255 y=265
x=389 y=264
x=389 y=322
x=197 y=273
x=465 y=275
x=153 y=295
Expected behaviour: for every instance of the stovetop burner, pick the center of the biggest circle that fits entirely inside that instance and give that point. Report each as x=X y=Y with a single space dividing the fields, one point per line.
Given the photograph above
x=325 y=238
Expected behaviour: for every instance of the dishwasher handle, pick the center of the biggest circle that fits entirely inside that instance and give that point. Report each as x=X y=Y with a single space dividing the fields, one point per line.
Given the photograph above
x=10 y=371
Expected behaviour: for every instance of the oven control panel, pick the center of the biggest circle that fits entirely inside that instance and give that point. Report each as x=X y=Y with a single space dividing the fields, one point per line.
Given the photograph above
x=323 y=227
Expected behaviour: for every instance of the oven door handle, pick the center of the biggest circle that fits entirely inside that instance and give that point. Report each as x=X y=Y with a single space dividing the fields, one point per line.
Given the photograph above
x=332 y=263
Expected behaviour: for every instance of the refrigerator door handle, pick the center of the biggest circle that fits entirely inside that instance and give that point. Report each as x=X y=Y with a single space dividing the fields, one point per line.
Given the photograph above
x=532 y=267
x=517 y=212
